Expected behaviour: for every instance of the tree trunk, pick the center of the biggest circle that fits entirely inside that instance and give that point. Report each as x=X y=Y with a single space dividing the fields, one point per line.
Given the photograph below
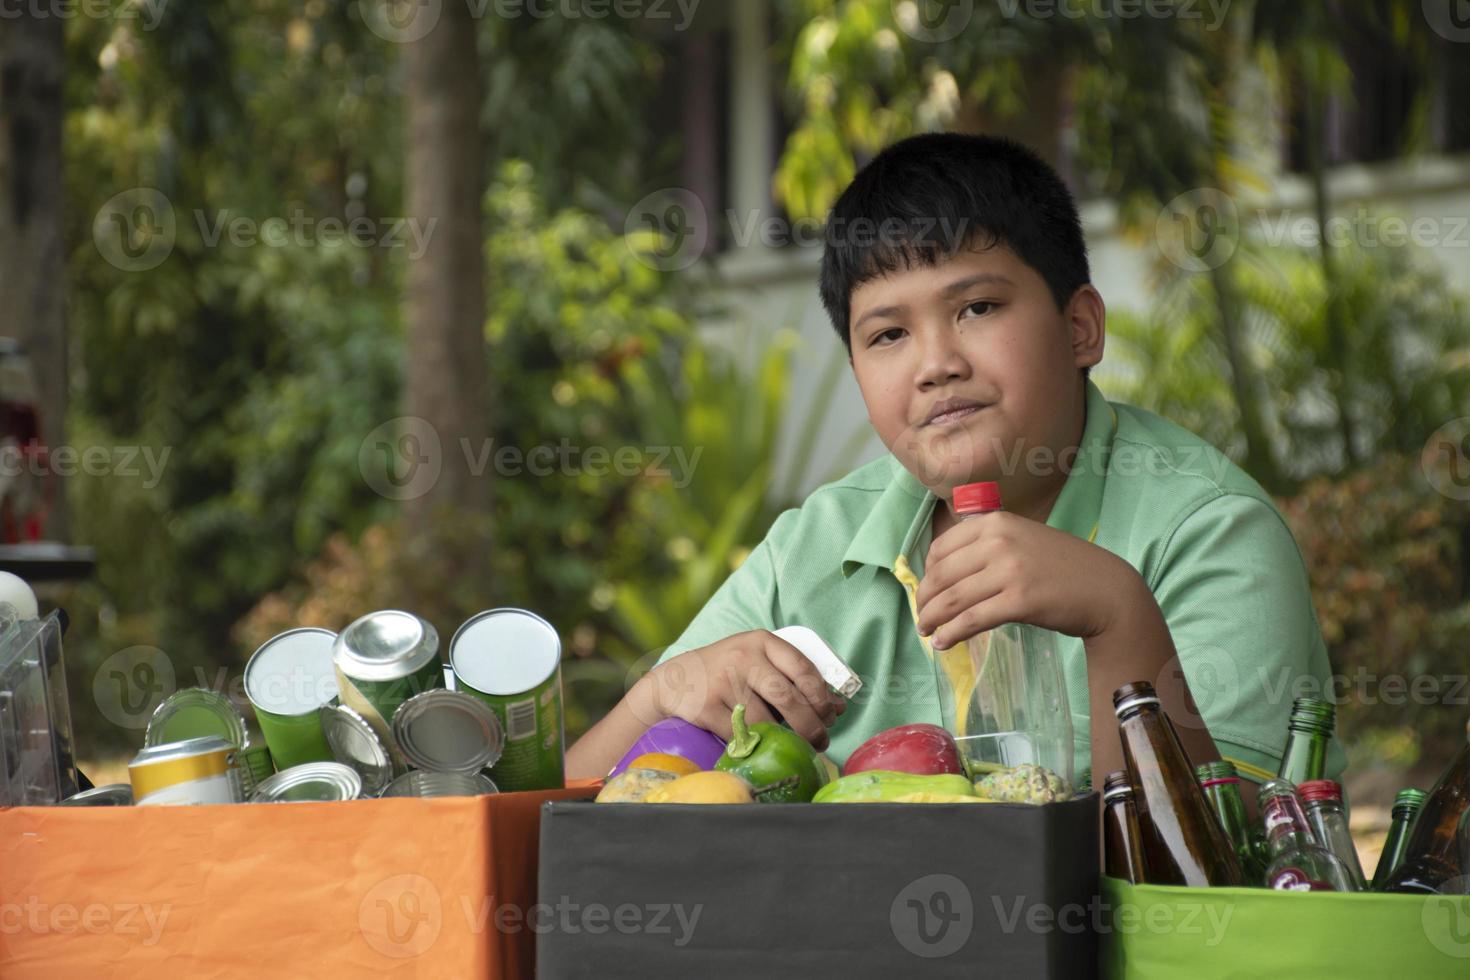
x=446 y=378
x=32 y=253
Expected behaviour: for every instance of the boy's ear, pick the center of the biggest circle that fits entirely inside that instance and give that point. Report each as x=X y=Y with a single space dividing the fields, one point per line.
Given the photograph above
x=1086 y=317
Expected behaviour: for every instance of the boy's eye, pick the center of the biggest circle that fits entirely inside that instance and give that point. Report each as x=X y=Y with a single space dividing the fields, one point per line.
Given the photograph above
x=980 y=307
x=892 y=334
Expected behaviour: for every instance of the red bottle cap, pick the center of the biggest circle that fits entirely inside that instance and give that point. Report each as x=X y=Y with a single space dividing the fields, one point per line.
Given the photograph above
x=1317 y=790
x=977 y=498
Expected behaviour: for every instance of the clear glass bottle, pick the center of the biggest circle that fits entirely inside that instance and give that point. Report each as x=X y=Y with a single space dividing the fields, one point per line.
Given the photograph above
x=1298 y=862
x=1122 y=842
x=1406 y=807
x=1322 y=802
x=1221 y=784
x=1183 y=842
x=1003 y=693
x=1308 y=733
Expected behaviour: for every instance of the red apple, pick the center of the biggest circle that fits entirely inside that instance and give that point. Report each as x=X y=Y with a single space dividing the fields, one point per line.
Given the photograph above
x=923 y=750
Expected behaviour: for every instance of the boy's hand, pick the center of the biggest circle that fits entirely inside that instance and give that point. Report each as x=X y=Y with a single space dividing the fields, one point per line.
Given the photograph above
x=1005 y=568
x=757 y=669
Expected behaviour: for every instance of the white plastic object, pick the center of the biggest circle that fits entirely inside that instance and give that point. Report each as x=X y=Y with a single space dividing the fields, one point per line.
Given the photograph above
x=834 y=671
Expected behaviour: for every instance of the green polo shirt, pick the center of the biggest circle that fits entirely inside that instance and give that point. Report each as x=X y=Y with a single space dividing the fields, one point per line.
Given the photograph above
x=1205 y=537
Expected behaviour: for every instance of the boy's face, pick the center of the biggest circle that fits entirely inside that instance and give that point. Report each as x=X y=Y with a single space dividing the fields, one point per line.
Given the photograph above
x=981 y=330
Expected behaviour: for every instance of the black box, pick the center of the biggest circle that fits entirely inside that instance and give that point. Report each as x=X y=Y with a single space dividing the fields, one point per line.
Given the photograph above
x=804 y=890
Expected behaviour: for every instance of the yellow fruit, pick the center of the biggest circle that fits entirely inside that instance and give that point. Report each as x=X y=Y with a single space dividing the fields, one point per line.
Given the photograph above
x=664 y=762
x=632 y=785
x=937 y=798
x=703 y=787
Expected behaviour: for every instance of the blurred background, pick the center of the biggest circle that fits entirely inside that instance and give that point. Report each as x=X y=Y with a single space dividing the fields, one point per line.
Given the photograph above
x=317 y=307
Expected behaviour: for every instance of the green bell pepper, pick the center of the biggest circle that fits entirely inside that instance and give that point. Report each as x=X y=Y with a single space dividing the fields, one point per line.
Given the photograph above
x=878 y=785
x=766 y=753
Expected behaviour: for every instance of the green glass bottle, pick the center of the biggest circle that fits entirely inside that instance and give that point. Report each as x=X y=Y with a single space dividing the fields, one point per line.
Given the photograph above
x=1432 y=856
x=1221 y=784
x=1307 y=735
x=1406 y=807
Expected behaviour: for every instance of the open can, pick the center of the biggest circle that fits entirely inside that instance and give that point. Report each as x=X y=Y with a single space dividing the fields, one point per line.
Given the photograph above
x=113 y=794
x=194 y=771
x=421 y=783
x=382 y=660
x=448 y=731
x=312 y=782
x=355 y=744
x=287 y=680
x=195 y=712
x=511 y=660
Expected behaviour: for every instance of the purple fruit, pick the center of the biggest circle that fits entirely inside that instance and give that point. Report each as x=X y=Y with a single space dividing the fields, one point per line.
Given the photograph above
x=676 y=737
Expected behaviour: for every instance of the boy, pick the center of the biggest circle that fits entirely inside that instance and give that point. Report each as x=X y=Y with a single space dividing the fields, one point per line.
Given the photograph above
x=956 y=274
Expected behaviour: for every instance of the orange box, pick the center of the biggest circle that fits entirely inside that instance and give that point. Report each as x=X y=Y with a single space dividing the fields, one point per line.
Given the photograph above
x=415 y=887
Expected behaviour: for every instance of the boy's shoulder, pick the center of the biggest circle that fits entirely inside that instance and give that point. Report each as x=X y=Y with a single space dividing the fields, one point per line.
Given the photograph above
x=1162 y=460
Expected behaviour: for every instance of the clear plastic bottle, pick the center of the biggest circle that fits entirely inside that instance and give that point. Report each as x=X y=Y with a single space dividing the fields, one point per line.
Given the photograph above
x=1003 y=693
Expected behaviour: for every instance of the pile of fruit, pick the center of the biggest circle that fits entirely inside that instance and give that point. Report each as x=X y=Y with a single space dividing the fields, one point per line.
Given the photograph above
x=676 y=762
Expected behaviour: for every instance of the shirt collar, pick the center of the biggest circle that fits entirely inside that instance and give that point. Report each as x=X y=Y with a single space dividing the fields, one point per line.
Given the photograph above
x=897 y=520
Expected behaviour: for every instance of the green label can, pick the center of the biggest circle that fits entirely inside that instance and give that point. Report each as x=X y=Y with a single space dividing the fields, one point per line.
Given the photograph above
x=382 y=660
x=287 y=681
x=511 y=660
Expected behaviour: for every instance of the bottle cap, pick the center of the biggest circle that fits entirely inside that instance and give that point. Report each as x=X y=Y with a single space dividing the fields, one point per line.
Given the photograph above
x=1409 y=800
x=1117 y=785
x=1215 y=773
x=1314 y=790
x=977 y=498
x=1313 y=715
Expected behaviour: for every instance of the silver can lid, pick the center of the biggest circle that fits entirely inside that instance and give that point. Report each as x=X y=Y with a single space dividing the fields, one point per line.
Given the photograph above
x=385 y=645
x=186 y=749
x=504 y=651
x=193 y=713
x=292 y=673
x=354 y=743
x=448 y=731
x=421 y=783
x=116 y=794
x=310 y=782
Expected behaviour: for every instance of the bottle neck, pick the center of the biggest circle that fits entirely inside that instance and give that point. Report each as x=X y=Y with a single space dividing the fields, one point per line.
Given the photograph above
x=1306 y=753
x=1229 y=806
x=1286 y=825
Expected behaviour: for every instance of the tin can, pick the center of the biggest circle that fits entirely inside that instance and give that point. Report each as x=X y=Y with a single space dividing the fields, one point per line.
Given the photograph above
x=114 y=794
x=256 y=766
x=311 y=782
x=194 y=771
x=288 y=680
x=355 y=744
x=195 y=712
x=511 y=660
x=425 y=785
x=382 y=660
x=448 y=731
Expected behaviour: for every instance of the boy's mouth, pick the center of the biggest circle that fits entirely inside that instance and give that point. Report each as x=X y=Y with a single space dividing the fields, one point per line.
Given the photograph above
x=952 y=410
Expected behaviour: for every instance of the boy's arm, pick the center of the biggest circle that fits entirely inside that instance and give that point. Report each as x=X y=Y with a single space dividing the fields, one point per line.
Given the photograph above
x=599 y=749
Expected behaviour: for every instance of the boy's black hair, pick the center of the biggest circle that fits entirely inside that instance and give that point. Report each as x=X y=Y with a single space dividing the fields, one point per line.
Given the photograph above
x=927 y=197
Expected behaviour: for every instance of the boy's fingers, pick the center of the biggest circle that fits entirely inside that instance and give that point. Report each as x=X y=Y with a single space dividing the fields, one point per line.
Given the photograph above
x=941 y=608
x=941 y=574
x=773 y=686
x=803 y=675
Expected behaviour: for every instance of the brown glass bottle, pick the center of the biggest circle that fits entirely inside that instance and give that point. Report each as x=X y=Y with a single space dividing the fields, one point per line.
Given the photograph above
x=1183 y=842
x=1122 y=842
x=1433 y=854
